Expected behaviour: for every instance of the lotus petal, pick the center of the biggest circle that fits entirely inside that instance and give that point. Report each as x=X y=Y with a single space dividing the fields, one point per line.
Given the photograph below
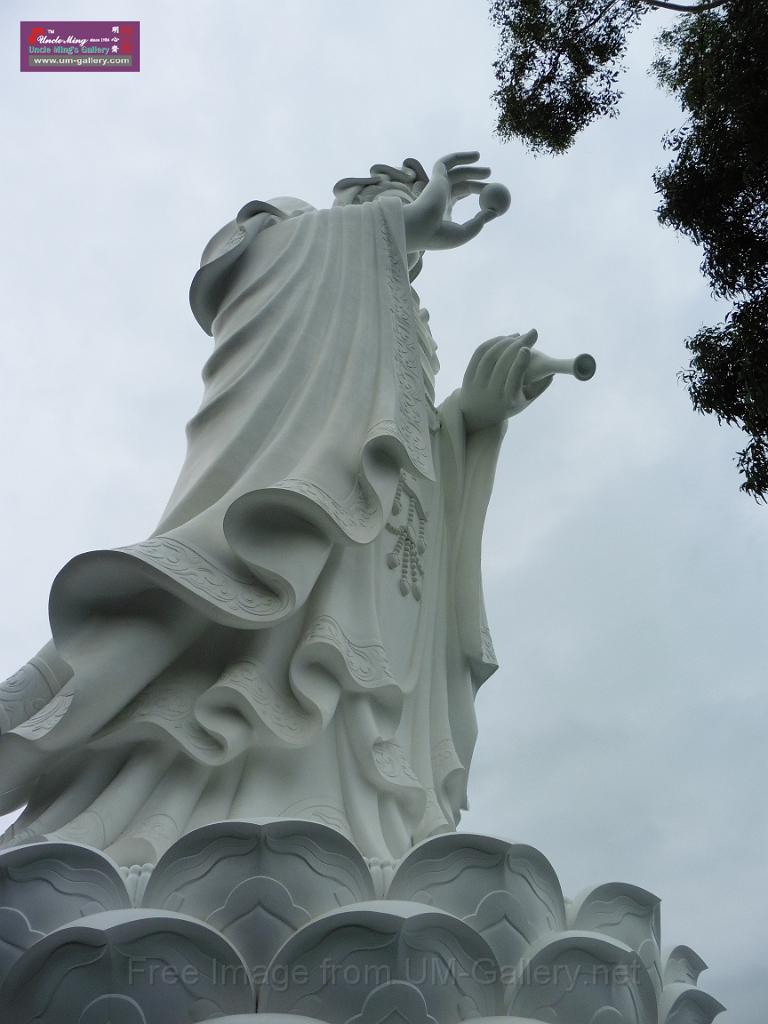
x=258 y=882
x=686 y=1004
x=584 y=977
x=127 y=967
x=505 y=1020
x=264 y=1018
x=350 y=965
x=627 y=913
x=394 y=1017
x=507 y=892
x=115 y=1010
x=683 y=964
x=396 y=1001
x=45 y=885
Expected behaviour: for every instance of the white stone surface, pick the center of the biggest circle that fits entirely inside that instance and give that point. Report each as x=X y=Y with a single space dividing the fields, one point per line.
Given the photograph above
x=128 y=967
x=387 y=957
x=263 y=713
x=259 y=883
x=46 y=885
x=508 y=892
x=303 y=634
x=471 y=925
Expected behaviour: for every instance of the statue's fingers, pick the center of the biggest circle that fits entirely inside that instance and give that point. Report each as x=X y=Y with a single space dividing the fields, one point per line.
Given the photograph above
x=463 y=187
x=514 y=381
x=459 y=190
x=470 y=156
x=478 y=354
x=484 y=348
x=468 y=187
x=468 y=173
x=503 y=365
x=451 y=235
x=531 y=391
x=489 y=359
x=527 y=340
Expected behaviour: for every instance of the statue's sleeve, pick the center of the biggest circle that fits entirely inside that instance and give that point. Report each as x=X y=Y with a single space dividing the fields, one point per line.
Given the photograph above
x=221 y=255
x=468 y=466
x=314 y=401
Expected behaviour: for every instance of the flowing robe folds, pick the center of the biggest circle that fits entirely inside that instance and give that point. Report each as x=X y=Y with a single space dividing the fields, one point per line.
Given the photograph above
x=324 y=535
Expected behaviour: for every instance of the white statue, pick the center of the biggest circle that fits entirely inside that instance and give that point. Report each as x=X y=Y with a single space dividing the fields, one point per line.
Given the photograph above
x=303 y=634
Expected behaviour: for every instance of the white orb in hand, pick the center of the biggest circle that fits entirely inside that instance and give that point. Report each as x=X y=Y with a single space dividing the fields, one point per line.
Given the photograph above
x=495 y=198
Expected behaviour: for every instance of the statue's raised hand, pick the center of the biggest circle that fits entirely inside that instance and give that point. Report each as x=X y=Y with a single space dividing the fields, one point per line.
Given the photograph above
x=428 y=223
x=494 y=385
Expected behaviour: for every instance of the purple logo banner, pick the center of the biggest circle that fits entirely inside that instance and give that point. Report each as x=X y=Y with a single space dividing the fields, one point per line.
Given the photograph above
x=80 y=46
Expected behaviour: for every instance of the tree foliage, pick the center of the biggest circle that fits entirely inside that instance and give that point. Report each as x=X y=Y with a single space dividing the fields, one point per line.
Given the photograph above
x=558 y=66
x=558 y=69
x=715 y=191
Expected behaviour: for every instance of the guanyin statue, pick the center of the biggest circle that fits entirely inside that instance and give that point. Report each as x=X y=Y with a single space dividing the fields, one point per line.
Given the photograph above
x=303 y=635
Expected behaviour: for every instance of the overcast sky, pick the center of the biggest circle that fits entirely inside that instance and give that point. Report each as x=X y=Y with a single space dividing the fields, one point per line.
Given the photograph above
x=624 y=734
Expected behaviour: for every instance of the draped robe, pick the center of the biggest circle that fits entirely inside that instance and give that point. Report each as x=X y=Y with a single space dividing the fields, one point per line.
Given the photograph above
x=324 y=533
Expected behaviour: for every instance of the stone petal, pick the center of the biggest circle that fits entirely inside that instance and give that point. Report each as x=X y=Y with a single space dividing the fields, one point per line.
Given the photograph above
x=627 y=913
x=147 y=966
x=507 y=892
x=259 y=882
x=584 y=977
x=46 y=885
x=351 y=964
x=686 y=1004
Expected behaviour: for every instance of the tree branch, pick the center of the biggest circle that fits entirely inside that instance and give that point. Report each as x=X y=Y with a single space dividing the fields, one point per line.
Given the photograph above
x=686 y=8
x=549 y=76
x=602 y=14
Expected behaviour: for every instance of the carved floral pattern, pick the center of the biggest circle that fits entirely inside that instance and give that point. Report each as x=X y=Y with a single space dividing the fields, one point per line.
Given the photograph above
x=366 y=661
x=393 y=765
x=171 y=707
x=470 y=928
x=43 y=722
x=283 y=716
x=240 y=596
x=355 y=515
x=23 y=695
x=411 y=421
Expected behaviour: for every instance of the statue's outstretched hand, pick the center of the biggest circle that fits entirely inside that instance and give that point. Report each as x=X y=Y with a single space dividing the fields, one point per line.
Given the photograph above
x=494 y=385
x=427 y=219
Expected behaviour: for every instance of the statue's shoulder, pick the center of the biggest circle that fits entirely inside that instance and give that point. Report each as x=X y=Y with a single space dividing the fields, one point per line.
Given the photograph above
x=255 y=216
x=229 y=243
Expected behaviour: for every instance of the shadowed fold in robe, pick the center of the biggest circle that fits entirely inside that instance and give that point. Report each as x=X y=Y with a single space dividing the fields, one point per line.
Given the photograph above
x=323 y=537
